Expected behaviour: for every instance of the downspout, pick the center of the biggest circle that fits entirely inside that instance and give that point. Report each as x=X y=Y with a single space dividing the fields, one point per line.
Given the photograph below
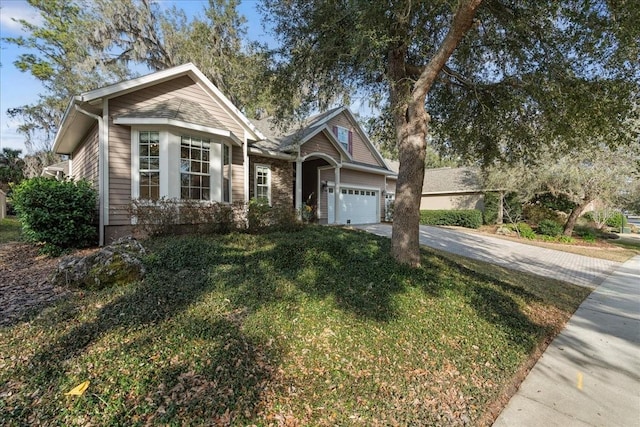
x=101 y=170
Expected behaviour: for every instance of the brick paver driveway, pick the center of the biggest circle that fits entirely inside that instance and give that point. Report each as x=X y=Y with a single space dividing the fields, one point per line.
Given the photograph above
x=578 y=269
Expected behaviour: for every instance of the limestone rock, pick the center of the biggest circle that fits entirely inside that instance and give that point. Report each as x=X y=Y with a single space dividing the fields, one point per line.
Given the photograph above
x=113 y=265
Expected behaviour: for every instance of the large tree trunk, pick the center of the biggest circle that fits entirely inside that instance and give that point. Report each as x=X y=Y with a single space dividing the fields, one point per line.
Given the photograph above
x=411 y=122
x=573 y=217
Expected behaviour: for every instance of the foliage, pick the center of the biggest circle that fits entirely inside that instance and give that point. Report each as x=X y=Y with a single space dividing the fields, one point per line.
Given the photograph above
x=534 y=213
x=617 y=220
x=475 y=74
x=512 y=206
x=246 y=329
x=59 y=214
x=554 y=202
x=523 y=229
x=9 y=230
x=470 y=218
x=168 y=216
x=548 y=227
x=11 y=168
x=261 y=217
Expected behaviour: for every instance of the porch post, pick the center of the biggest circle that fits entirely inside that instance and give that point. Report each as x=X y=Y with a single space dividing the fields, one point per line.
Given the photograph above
x=298 y=202
x=336 y=195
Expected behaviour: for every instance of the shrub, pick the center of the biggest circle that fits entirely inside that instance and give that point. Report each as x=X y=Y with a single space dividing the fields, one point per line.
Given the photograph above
x=549 y=227
x=168 y=216
x=279 y=217
x=60 y=214
x=558 y=202
x=617 y=220
x=536 y=213
x=512 y=207
x=470 y=218
x=523 y=229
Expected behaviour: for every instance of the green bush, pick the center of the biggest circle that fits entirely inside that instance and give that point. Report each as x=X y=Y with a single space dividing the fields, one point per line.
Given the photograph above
x=512 y=207
x=60 y=214
x=470 y=218
x=523 y=229
x=618 y=220
x=549 y=227
x=536 y=213
x=280 y=217
x=171 y=216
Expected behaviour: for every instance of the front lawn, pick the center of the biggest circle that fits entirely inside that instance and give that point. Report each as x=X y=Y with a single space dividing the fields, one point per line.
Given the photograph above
x=318 y=327
x=10 y=230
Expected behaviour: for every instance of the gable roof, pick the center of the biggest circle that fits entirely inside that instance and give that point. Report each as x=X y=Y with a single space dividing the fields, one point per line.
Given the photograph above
x=176 y=109
x=452 y=180
x=447 y=180
x=75 y=124
x=288 y=139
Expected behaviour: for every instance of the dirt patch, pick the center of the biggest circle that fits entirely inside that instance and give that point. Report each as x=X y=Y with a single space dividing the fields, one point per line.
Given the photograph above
x=24 y=281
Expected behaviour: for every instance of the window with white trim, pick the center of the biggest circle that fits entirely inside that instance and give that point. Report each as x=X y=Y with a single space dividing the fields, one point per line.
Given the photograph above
x=195 y=168
x=226 y=173
x=263 y=182
x=342 y=135
x=149 y=166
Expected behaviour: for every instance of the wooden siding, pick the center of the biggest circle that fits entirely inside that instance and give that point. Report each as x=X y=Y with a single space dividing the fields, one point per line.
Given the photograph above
x=391 y=185
x=120 y=139
x=361 y=152
x=237 y=174
x=320 y=144
x=84 y=162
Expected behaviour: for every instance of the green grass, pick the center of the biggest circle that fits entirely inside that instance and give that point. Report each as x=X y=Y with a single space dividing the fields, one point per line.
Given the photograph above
x=10 y=230
x=318 y=327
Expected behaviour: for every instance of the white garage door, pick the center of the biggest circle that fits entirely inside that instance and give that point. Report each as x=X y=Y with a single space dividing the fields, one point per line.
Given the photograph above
x=357 y=206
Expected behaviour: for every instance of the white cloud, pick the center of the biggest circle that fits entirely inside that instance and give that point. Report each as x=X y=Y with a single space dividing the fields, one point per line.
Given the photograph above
x=13 y=10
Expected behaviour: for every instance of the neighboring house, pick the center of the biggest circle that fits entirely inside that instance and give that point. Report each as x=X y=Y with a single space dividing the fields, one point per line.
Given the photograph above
x=447 y=188
x=174 y=134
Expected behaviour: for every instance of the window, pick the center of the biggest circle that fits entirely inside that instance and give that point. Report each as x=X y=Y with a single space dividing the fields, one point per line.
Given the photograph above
x=195 y=170
x=263 y=182
x=343 y=135
x=226 y=173
x=149 y=156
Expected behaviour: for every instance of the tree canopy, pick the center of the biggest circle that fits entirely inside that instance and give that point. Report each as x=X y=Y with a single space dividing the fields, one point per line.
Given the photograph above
x=81 y=45
x=494 y=79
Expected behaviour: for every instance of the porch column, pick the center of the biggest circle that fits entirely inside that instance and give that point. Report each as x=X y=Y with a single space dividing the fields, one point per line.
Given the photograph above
x=336 y=195
x=299 y=187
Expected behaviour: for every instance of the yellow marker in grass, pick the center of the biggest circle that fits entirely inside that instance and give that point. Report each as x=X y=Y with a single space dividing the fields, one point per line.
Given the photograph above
x=78 y=390
x=579 y=383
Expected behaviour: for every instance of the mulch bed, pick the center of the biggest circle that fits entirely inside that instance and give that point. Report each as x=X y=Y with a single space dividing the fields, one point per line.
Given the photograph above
x=24 y=281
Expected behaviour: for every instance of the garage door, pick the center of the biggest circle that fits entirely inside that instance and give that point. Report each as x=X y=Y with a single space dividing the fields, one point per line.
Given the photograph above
x=357 y=206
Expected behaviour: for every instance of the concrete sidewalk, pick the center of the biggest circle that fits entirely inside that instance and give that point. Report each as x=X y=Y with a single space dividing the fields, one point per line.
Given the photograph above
x=590 y=374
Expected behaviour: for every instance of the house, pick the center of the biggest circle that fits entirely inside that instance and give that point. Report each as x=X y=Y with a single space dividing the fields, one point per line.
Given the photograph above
x=174 y=134
x=446 y=188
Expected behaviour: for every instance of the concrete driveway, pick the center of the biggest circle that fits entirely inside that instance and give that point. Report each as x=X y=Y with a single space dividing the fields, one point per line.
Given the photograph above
x=577 y=269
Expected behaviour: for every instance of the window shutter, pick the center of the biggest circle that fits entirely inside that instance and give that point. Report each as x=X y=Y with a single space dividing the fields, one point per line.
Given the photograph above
x=351 y=142
x=335 y=131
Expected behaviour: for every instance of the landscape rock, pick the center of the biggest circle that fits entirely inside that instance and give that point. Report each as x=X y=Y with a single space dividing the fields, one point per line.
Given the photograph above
x=504 y=230
x=116 y=264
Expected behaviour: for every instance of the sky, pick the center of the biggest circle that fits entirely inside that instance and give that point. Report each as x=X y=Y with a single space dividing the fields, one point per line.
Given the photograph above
x=18 y=88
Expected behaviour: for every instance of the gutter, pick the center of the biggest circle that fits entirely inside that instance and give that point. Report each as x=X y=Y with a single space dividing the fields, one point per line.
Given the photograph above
x=101 y=172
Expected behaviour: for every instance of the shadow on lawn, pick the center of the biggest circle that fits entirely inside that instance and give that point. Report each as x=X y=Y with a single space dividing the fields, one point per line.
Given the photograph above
x=238 y=365
x=355 y=269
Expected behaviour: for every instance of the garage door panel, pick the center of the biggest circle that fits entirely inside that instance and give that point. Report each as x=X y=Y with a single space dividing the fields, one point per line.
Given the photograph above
x=358 y=206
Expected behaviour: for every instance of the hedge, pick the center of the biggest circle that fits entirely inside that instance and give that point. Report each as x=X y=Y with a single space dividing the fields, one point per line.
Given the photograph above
x=470 y=218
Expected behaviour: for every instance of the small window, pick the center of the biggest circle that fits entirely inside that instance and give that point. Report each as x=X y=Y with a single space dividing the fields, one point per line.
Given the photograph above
x=330 y=190
x=342 y=135
x=226 y=173
x=263 y=183
x=350 y=191
x=195 y=173
x=344 y=191
x=149 y=157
